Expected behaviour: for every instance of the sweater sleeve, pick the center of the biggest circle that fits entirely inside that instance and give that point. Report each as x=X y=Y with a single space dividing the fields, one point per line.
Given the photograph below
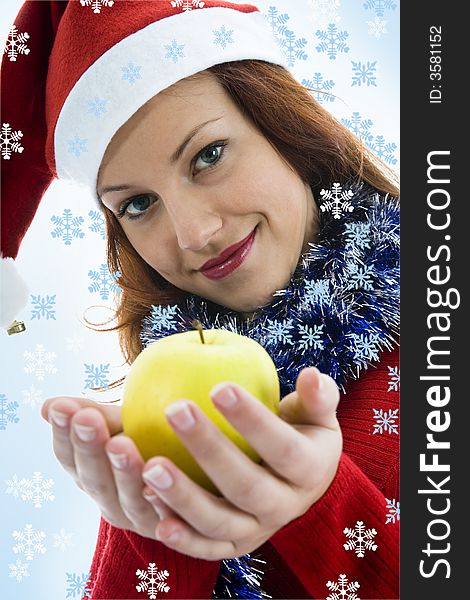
x=323 y=546
x=121 y=555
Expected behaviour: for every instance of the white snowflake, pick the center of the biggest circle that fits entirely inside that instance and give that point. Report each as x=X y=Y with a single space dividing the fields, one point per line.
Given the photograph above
x=18 y=570
x=37 y=489
x=324 y=12
x=311 y=337
x=393 y=514
x=386 y=421
x=336 y=200
x=62 y=540
x=29 y=542
x=15 y=44
x=394 y=382
x=360 y=539
x=187 y=4
x=39 y=362
x=152 y=581
x=360 y=277
x=32 y=396
x=357 y=235
x=174 y=51
x=279 y=331
x=223 y=37
x=317 y=291
x=366 y=346
x=377 y=27
x=10 y=141
x=347 y=590
x=75 y=344
x=163 y=317
x=96 y=5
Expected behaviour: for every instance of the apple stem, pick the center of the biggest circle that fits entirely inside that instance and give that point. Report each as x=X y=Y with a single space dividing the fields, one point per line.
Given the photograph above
x=197 y=325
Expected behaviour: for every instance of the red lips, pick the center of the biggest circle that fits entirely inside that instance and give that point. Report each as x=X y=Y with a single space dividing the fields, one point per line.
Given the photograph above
x=228 y=260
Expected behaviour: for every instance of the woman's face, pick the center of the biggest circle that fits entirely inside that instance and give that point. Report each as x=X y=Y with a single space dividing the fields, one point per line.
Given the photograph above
x=205 y=199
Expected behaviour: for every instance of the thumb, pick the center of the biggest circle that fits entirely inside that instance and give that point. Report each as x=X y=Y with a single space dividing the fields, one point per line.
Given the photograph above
x=314 y=401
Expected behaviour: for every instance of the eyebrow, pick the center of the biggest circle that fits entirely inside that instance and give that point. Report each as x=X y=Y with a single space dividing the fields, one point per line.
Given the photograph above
x=173 y=158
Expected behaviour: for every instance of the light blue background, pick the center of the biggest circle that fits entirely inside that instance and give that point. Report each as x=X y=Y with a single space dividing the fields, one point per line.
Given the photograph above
x=53 y=268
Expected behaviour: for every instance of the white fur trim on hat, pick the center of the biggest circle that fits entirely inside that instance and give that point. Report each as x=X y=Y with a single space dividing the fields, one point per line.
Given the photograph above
x=138 y=67
x=13 y=292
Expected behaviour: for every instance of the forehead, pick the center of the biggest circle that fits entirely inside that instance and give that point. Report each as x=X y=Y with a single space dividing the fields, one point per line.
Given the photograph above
x=171 y=114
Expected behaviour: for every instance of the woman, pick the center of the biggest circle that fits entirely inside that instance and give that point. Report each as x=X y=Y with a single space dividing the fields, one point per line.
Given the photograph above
x=212 y=191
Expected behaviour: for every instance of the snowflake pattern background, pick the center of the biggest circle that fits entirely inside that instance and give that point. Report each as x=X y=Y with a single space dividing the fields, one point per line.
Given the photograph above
x=67 y=242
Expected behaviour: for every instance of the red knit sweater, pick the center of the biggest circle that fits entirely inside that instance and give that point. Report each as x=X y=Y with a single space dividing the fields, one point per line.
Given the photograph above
x=307 y=557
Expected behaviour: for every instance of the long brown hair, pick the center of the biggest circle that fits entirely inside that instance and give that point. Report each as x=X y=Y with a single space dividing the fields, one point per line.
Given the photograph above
x=309 y=138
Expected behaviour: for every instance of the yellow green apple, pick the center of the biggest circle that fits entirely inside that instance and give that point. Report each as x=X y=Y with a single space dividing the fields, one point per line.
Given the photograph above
x=187 y=366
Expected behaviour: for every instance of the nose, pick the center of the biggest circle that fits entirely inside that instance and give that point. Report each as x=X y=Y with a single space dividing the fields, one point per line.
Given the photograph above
x=194 y=222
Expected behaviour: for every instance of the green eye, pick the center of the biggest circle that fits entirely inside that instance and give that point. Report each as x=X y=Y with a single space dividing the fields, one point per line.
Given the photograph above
x=210 y=156
x=136 y=207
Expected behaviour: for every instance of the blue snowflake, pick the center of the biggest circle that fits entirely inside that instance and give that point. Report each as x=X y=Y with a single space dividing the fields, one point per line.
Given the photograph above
x=103 y=282
x=321 y=87
x=317 y=292
x=97 y=106
x=279 y=331
x=163 y=317
x=286 y=39
x=311 y=337
x=394 y=382
x=357 y=235
x=277 y=21
x=174 y=51
x=67 y=227
x=393 y=514
x=332 y=41
x=360 y=277
x=380 y=6
x=78 y=586
x=77 y=146
x=223 y=37
x=7 y=412
x=96 y=376
x=364 y=73
x=98 y=224
x=293 y=48
x=385 y=421
x=385 y=151
x=42 y=307
x=359 y=126
x=131 y=72
x=378 y=145
x=365 y=346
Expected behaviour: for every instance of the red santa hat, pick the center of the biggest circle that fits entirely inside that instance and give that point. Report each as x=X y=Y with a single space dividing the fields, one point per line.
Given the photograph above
x=74 y=72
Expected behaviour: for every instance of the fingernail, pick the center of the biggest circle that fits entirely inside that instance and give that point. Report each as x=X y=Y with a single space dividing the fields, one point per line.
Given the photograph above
x=224 y=395
x=180 y=415
x=159 y=477
x=150 y=496
x=119 y=461
x=85 y=433
x=60 y=419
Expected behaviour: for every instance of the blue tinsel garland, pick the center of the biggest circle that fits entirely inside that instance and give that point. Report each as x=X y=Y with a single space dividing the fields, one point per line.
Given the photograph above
x=340 y=310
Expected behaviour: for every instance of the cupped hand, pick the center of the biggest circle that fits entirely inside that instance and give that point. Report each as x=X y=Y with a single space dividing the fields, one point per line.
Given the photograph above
x=300 y=451
x=87 y=440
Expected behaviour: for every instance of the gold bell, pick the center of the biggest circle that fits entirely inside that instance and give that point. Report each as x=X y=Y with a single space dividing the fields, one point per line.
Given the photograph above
x=16 y=327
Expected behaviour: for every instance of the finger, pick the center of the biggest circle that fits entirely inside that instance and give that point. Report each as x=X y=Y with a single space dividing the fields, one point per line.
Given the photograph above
x=163 y=510
x=127 y=465
x=211 y=516
x=184 y=539
x=60 y=412
x=314 y=401
x=244 y=483
x=111 y=413
x=282 y=447
x=89 y=434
